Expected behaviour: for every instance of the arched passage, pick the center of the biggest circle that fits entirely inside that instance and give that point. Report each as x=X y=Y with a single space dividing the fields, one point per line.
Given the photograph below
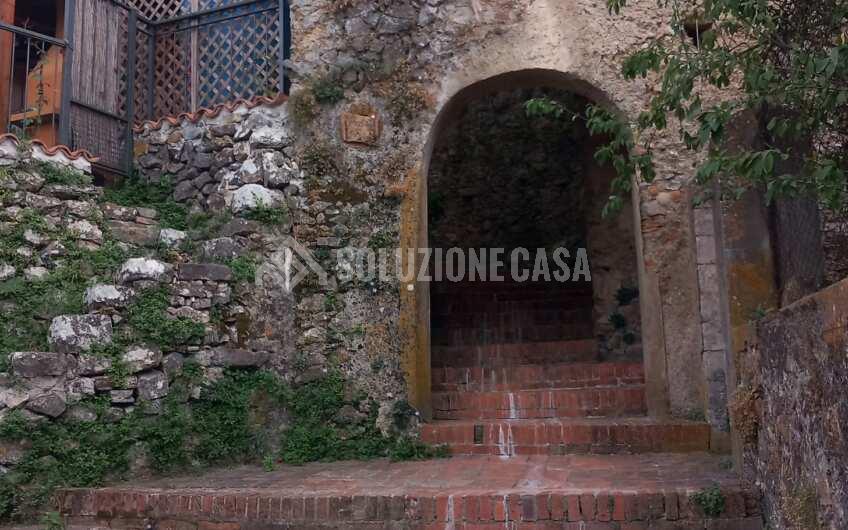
x=566 y=211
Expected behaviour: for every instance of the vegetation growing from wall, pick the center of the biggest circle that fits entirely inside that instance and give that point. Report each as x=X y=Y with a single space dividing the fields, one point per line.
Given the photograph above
x=710 y=500
x=231 y=423
x=784 y=62
x=30 y=304
x=156 y=195
x=325 y=427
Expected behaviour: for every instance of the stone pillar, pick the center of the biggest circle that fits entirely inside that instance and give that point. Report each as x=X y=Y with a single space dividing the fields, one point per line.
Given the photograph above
x=713 y=324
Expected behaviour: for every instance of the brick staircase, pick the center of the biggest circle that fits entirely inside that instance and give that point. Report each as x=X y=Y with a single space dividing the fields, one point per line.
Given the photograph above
x=517 y=371
x=547 y=435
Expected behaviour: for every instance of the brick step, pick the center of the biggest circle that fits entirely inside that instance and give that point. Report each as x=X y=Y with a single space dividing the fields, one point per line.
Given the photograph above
x=611 y=492
x=537 y=376
x=536 y=333
x=568 y=436
x=512 y=354
x=460 y=304
x=510 y=286
x=495 y=316
x=541 y=403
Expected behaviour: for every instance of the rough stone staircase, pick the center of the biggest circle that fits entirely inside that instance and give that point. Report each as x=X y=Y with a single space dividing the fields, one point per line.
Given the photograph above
x=516 y=371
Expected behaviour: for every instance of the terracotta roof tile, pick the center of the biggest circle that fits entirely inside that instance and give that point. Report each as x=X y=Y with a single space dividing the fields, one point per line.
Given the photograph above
x=54 y=150
x=210 y=112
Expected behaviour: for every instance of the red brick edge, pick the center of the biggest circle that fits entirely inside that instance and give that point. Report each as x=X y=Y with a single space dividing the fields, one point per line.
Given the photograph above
x=464 y=511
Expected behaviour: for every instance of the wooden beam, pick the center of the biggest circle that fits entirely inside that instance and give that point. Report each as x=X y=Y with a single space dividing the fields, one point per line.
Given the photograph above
x=7 y=15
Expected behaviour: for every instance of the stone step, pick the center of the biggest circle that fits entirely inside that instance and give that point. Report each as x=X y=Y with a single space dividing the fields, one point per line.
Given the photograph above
x=540 y=403
x=516 y=353
x=611 y=492
x=537 y=376
x=568 y=436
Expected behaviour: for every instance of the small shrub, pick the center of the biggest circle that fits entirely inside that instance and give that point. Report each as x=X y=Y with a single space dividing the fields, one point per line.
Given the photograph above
x=149 y=321
x=710 y=500
x=267 y=215
x=318 y=160
x=61 y=174
x=617 y=320
x=303 y=107
x=332 y=302
x=406 y=448
x=268 y=463
x=381 y=239
x=244 y=269
x=157 y=195
x=52 y=521
x=759 y=313
x=626 y=295
x=328 y=89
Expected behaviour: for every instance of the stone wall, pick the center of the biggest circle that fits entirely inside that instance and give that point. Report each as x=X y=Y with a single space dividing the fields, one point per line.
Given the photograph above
x=345 y=163
x=101 y=299
x=244 y=161
x=789 y=411
x=417 y=64
x=109 y=295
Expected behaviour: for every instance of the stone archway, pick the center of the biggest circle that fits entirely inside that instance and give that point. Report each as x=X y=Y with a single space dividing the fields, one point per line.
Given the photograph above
x=416 y=297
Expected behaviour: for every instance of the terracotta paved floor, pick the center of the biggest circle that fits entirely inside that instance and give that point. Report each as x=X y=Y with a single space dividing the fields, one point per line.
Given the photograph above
x=469 y=475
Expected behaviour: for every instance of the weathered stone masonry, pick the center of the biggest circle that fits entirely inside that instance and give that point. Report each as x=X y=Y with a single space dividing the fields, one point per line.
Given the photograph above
x=405 y=69
x=789 y=411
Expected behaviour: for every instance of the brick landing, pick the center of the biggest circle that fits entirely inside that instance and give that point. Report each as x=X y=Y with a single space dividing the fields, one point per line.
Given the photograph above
x=633 y=492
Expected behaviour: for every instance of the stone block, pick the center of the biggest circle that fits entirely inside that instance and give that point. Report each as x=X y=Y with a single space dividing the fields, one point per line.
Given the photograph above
x=38 y=364
x=361 y=129
x=93 y=365
x=140 y=358
x=706 y=249
x=107 y=296
x=238 y=357
x=77 y=333
x=152 y=385
x=144 y=269
x=204 y=271
x=52 y=405
x=142 y=235
x=121 y=397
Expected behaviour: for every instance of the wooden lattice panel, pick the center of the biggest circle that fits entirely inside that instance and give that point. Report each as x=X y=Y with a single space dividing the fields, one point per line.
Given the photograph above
x=172 y=76
x=122 y=46
x=143 y=75
x=159 y=9
x=239 y=58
